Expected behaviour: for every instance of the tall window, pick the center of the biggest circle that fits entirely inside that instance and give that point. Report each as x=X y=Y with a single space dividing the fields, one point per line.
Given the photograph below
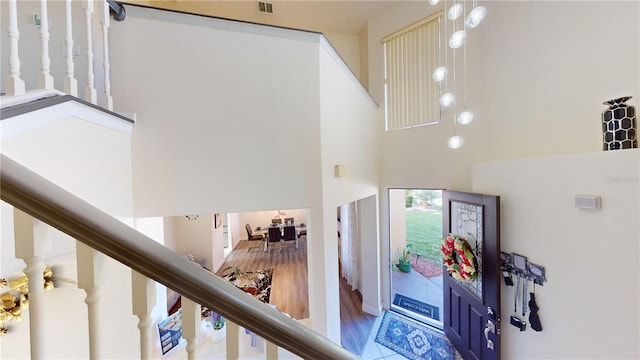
x=411 y=55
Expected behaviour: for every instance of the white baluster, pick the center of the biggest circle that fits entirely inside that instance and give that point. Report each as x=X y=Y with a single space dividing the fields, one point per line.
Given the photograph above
x=233 y=340
x=191 y=320
x=144 y=299
x=70 y=82
x=33 y=240
x=108 y=100
x=90 y=93
x=90 y=263
x=272 y=351
x=15 y=85
x=45 y=81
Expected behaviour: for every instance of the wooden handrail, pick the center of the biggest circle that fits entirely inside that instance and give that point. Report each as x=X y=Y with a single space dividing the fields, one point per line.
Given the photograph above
x=53 y=205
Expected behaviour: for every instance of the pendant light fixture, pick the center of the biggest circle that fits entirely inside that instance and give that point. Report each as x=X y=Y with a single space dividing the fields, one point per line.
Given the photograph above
x=455 y=141
x=476 y=16
x=457 y=12
x=466 y=116
x=457 y=39
x=447 y=99
x=440 y=73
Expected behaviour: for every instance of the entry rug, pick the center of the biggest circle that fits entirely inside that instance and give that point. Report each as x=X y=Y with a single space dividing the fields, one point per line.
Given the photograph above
x=414 y=340
x=417 y=307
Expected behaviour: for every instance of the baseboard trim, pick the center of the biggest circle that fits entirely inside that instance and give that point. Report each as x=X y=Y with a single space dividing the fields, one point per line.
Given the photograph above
x=375 y=311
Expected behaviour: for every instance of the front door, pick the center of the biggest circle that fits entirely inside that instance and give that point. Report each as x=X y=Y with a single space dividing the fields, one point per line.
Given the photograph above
x=472 y=308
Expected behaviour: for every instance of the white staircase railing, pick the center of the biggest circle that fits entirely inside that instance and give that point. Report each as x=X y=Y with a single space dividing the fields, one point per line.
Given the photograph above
x=33 y=195
x=15 y=85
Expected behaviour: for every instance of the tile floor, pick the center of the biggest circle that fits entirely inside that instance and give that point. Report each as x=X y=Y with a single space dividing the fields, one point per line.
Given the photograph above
x=373 y=350
x=418 y=287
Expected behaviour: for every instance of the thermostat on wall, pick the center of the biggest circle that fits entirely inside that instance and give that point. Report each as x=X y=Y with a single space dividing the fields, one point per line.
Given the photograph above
x=587 y=201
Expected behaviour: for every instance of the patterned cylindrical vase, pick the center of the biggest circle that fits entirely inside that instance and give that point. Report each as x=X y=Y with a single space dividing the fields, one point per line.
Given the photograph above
x=619 y=125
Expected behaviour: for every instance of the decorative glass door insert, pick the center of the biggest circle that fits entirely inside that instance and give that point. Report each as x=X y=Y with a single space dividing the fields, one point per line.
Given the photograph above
x=466 y=221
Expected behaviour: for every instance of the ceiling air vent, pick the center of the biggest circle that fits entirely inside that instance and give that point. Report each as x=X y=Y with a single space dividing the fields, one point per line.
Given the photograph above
x=265 y=7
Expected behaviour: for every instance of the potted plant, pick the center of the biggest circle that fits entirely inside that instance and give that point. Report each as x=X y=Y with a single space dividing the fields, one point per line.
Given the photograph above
x=404 y=260
x=218 y=326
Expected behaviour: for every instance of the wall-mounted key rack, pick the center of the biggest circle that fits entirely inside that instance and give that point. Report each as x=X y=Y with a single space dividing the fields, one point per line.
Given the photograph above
x=515 y=264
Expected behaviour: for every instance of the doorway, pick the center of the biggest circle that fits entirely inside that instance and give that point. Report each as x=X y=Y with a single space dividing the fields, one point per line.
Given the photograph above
x=415 y=217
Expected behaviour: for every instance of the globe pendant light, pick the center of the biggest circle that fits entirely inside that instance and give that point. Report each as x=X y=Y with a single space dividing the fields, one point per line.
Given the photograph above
x=440 y=73
x=455 y=142
x=447 y=99
x=434 y=2
x=457 y=39
x=465 y=117
x=455 y=11
x=475 y=17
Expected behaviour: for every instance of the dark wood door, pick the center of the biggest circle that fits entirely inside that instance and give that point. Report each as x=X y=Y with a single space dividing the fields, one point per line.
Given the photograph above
x=472 y=309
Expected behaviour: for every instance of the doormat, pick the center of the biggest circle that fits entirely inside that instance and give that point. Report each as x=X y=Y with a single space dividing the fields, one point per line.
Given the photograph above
x=417 y=307
x=414 y=340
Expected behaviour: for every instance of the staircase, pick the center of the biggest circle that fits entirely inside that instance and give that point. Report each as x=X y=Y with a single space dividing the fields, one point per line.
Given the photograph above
x=108 y=273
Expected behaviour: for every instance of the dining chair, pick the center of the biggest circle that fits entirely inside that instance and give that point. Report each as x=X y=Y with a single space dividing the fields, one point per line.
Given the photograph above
x=290 y=234
x=253 y=237
x=274 y=236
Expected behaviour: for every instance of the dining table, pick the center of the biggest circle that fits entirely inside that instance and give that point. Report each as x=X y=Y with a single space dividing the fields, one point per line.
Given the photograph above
x=264 y=231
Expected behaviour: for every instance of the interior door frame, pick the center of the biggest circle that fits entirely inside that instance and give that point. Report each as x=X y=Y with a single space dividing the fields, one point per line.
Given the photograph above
x=465 y=316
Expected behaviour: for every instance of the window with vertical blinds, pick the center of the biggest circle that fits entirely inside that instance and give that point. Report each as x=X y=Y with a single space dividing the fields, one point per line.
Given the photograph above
x=411 y=55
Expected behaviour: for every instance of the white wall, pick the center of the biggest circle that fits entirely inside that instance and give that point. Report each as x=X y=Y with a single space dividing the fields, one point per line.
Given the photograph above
x=347 y=137
x=589 y=306
x=369 y=255
x=243 y=126
x=348 y=46
x=198 y=237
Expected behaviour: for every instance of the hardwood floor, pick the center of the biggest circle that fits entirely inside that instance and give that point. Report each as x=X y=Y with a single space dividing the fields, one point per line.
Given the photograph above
x=289 y=289
x=355 y=325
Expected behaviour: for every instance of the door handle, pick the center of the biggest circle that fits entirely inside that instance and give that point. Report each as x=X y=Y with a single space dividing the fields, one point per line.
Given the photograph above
x=490 y=328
